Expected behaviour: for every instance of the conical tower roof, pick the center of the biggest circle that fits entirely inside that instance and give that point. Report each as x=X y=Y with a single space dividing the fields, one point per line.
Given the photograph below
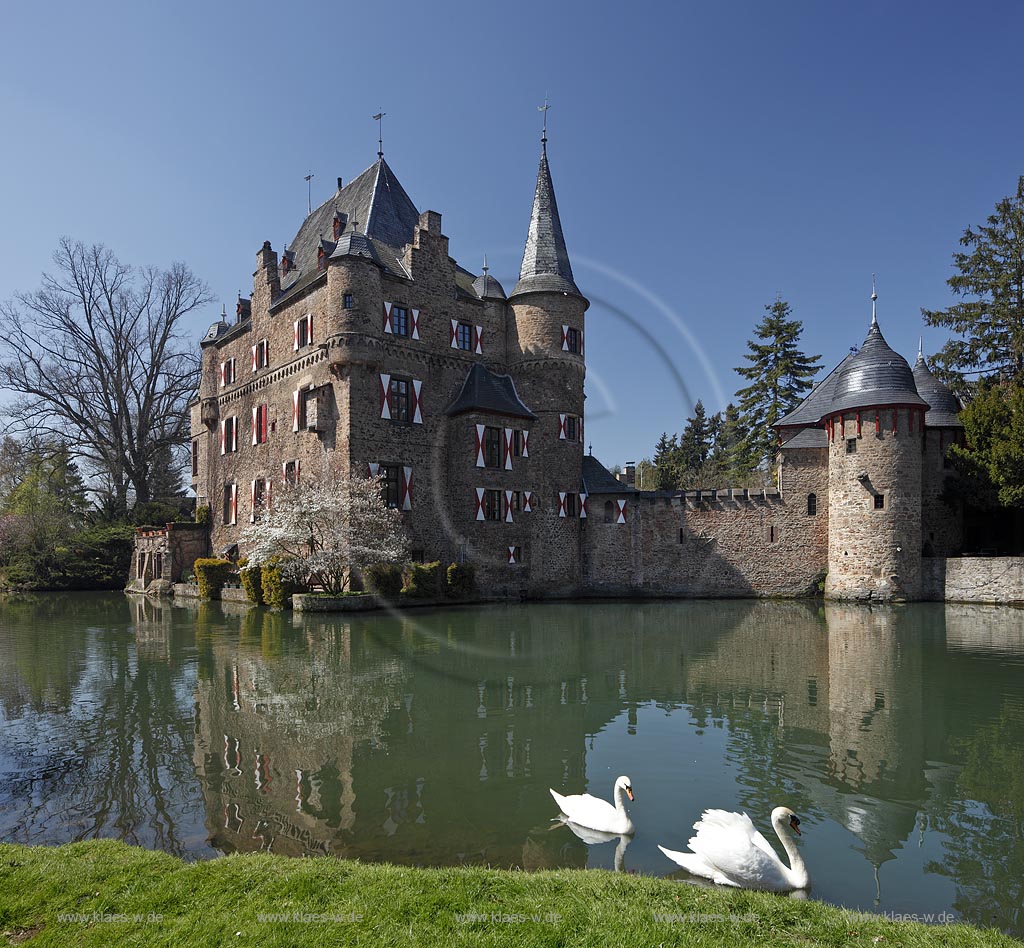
x=944 y=407
x=546 y=267
x=876 y=375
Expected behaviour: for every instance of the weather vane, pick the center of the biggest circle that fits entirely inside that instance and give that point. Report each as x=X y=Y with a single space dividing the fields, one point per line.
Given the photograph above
x=544 y=108
x=379 y=119
x=309 y=192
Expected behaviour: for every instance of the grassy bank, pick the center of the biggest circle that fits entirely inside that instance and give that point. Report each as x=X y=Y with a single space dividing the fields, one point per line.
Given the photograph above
x=126 y=896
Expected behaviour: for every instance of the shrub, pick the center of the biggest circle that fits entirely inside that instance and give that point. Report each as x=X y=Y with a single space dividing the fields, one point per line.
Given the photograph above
x=252 y=582
x=277 y=591
x=384 y=579
x=204 y=515
x=425 y=581
x=461 y=581
x=211 y=575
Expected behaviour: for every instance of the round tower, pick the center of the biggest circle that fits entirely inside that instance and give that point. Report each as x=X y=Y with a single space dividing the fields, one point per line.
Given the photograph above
x=875 y=427
x=545 y=334
x=942 y=520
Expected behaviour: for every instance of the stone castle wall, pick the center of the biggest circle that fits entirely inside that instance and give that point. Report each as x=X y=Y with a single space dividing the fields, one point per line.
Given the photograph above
x=995 y=579
x=942 y=523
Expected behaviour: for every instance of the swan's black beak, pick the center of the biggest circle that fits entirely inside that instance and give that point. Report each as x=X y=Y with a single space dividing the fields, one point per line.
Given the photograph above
x=629 y=793
x=794 y=824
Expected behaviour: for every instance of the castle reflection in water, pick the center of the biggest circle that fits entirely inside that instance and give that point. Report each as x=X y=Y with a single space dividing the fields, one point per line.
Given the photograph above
x=431 y=737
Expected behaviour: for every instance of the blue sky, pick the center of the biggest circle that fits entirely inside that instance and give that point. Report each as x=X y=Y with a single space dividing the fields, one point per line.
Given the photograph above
x=706 y=156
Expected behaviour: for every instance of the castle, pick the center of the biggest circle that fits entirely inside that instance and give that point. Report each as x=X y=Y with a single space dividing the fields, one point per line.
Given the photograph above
x=365 y=348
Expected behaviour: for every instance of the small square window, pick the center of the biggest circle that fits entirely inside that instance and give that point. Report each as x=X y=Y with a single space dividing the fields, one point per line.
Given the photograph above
x=879 y=501
x=398 y=399
x=291 y=473
x=572 y=340
x=571 y=428
x=851 y=445
x=400 y=320
x=347 y=301
x=464 y=337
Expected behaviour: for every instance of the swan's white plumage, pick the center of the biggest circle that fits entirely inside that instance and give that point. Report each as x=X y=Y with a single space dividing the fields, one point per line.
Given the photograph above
x=591 y=812
x=728 y=849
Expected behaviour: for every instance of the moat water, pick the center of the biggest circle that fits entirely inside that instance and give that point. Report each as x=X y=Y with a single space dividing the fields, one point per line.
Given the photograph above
x=896 y=733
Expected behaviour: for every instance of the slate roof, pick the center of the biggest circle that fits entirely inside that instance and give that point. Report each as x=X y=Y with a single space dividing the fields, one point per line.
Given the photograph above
x=597 y=479
x=943 y=405
x=486 y=391
x=876 y=375
x=546 y=266
x=353 y=244
x=814 y=405
x=377 y=202
x=215 y=332
x=487 y=288
x=807 y=438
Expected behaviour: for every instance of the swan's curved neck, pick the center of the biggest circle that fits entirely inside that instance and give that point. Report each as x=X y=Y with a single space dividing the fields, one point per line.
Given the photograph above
x=620 y=798
x=796 y=870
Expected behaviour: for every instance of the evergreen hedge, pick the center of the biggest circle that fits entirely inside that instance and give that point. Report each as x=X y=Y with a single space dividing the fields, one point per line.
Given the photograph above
x=252 y=583
x=426 y=581
x=461 y=581
x=277 y=591
x=211 y=575
x=384 y=579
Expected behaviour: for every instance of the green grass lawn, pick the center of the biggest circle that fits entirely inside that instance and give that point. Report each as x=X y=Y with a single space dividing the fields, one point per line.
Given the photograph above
x=120 y=895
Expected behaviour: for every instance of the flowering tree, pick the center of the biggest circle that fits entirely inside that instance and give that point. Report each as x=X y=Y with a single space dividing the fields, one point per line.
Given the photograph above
x=318 y=530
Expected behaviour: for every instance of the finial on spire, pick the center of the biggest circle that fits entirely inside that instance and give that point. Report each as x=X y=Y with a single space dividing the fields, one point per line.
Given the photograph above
x=223 y=311
x=309 y=192
x=544 y=133
x=874 y=296
x=379 y=119
x=485 y=265
x=920 y=347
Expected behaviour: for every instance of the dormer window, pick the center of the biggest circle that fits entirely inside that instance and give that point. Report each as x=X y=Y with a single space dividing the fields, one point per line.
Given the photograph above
x=321 y=260
x=287 y=262
x=340 y=220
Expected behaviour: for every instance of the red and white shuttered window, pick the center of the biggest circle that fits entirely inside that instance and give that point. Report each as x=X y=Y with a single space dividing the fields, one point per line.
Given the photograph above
x=572 y=340
x=572 y=505
x=570 y=428
x=290 y=472
x=515 y=555
x=228 y=372
x=401 y=399
x=401 y=320
x=496 y=447
x=260 y=355
x=396 y=484
x=467 y=337
x=305 y=409
x=502 y=505
x=620 y=511
x=260 y=497
x=303 y=331
x=230 y=512
x=260 y=423
x=229 y=434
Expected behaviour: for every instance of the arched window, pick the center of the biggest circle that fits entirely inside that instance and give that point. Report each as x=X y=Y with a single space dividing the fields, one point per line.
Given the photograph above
x=812 y=504
x=609 y=515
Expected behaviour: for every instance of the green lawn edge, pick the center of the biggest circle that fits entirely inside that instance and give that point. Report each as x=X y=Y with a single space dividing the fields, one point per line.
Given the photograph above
x=125 y=895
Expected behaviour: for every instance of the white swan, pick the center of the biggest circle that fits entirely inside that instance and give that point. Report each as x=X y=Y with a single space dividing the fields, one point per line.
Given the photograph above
x=729 y=850
x=597 y=837
x=593 y=813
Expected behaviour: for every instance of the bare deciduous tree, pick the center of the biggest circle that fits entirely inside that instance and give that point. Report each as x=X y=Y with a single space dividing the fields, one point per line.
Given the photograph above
x=97 y=357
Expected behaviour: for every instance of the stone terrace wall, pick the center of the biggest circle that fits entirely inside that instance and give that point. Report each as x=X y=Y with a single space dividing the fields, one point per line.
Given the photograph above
x=998 y=579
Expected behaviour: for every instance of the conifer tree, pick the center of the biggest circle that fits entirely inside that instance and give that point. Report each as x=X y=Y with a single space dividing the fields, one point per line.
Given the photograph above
x=729 y=455
x=990 y=319
x=694 y=442
x=779 y=375
x=665 y=462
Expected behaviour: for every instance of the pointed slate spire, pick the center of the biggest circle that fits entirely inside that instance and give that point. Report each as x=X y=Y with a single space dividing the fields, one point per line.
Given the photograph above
x=546 y=267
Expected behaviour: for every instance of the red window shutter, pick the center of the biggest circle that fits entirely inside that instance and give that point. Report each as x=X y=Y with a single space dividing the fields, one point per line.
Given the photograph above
x=254 y=411
x=223 y=435
x=526 y=438
x=385 y=407
x=295 y=326
x=254 y=348
x=387 y=317
x=296 y=395
x=479 y=503
x=417 y=402
x=480 y=446
x=620 y=511
x=583 y=506
x=415 y=324
x=373 y=468
x=506 y=448
x=252 y=503
x=478 y=340
x=223 y=374
x=454 y=333
x=561 y=503
x=406 y=488
x=234 y=503
x=561 y=427
x=309 y=329
x=234 y=432
x=565 y=338
x=512 y=556
x=508 y=506
x=268 y=488
x=527 y=501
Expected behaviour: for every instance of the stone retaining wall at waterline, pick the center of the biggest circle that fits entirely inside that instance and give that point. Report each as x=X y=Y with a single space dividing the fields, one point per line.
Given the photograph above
x=997 y=579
